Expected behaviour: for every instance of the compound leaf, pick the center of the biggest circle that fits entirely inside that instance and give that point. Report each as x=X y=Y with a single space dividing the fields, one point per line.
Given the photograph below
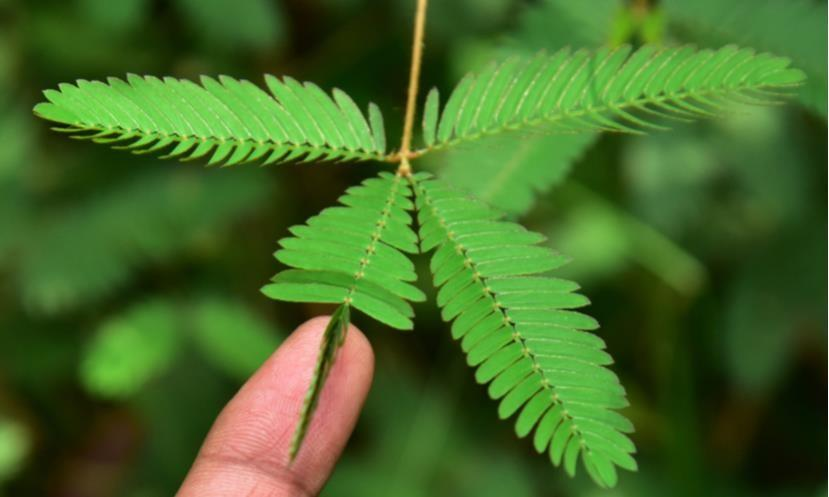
x=519 y=329
x=610 y=89
x=224 y=121
x=352 y=255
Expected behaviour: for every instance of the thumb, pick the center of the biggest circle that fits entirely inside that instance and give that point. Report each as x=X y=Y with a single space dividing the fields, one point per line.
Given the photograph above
x=246 y=452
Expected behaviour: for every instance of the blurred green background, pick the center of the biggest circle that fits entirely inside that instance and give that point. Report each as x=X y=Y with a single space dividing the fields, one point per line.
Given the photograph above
x=129 y=303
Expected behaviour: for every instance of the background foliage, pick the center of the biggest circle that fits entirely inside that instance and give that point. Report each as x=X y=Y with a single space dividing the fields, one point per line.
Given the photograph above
x=131 y=310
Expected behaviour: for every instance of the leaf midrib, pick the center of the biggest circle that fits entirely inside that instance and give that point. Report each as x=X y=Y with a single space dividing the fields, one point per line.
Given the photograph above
x=376 y=237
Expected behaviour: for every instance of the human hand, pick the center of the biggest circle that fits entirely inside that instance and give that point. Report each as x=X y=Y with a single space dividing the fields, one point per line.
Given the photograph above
x=246 y=452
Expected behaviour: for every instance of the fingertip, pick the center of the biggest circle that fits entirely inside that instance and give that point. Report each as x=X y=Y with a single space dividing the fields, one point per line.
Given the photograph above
x=359 y=350
x=356 y=353
x=255 y=429
x=345 y=390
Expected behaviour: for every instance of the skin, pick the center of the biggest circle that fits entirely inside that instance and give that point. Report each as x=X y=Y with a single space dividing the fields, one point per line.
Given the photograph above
x=246 y=452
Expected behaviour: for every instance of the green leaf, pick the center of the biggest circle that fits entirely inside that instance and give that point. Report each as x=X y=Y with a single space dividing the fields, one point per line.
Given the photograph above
x=332 y=339
x=226 y=121
x=792 y=28
x=232 y=337
x=541 y=361
x=354 y=254
x=375 y=119
x=130 y=350
x=610 y=90
x=351 y=255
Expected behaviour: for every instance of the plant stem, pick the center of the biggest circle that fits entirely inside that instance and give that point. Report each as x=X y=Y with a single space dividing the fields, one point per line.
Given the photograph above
x=414 y=77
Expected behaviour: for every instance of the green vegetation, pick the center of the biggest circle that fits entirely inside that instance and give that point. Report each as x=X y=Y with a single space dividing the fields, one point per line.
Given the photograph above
x=135 y=280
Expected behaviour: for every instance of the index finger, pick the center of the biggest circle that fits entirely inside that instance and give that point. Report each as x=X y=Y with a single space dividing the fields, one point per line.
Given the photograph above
x=247 y=451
